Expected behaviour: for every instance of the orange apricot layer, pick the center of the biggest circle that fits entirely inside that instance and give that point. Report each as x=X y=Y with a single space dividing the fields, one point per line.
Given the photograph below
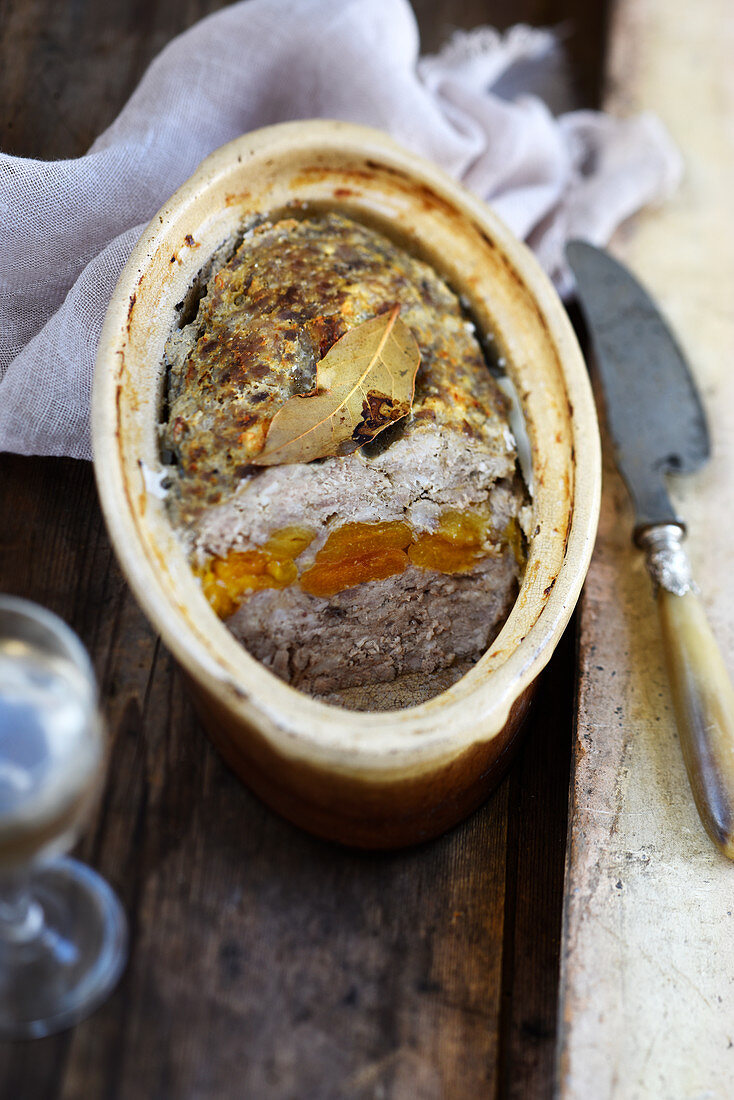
x=353 y=554
x=226 y=581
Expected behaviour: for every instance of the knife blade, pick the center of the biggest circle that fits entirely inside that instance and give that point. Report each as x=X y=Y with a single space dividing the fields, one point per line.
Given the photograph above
x=658 y=426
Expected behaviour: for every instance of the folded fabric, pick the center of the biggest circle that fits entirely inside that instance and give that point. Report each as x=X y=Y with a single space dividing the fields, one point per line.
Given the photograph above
x=69 y=226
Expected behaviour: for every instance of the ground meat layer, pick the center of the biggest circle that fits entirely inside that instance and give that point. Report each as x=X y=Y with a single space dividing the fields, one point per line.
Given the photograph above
x=419 y=621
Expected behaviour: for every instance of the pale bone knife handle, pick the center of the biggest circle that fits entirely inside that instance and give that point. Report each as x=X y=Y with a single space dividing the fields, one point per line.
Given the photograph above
x=702 y=691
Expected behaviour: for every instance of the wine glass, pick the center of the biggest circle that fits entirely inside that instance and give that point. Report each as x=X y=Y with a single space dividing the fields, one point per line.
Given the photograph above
x=63 y=935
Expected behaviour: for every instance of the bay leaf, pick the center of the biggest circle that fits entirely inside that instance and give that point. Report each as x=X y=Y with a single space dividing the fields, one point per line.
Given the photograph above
x=364 y=383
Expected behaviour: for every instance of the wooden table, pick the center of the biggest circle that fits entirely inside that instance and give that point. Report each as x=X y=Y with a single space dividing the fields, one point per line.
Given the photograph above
x=647 y=984
x=264 y=963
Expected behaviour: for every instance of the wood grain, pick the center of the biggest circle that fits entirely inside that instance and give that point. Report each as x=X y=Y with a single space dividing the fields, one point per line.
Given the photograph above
x=264 y=963
x=580 y=26
x=647 y=993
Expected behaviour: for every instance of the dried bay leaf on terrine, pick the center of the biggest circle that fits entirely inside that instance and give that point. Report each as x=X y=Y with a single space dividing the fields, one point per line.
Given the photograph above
x=364 y=383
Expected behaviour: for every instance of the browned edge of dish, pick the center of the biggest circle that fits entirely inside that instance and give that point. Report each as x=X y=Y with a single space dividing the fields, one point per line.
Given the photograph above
x=409 y=810
x=376 y=779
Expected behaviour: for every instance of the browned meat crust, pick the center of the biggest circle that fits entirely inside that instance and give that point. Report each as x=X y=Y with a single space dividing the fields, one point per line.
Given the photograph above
x=289 y=292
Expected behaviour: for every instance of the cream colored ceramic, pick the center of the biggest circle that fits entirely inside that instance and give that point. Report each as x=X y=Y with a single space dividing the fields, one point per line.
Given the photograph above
x=369 y=778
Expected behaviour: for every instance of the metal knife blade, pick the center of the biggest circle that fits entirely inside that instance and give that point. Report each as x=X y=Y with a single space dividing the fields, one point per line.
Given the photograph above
x=653 y=410
x=658 y=425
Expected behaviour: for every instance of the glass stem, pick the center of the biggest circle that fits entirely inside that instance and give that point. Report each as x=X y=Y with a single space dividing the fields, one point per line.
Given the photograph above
x=21 y=917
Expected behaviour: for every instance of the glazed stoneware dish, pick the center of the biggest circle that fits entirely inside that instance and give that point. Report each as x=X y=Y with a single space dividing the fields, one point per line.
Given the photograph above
x=372 y=778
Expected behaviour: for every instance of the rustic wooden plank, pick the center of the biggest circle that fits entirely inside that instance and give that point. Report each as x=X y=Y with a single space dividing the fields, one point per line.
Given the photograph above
x=581 y=28
x=648 y=988
x=534 y=902
x=109 y=46
x=106 y=47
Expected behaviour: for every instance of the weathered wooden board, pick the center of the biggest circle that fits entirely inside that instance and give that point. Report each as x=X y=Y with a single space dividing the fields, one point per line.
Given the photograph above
x=647 y=989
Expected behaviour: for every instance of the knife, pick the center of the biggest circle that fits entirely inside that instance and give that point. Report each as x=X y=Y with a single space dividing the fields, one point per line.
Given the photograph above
x=658 y=426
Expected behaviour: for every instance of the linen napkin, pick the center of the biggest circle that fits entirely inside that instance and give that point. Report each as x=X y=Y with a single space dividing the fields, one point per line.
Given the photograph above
x=69 y=226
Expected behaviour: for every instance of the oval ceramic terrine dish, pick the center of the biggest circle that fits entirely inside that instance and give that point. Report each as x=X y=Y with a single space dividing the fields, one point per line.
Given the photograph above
x=367 y=777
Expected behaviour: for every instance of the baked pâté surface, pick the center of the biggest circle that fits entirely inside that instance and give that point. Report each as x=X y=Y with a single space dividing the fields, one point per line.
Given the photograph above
x=403 y=557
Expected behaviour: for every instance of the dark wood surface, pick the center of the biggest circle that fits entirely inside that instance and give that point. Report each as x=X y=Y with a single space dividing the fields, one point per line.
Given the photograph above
x=265 y=963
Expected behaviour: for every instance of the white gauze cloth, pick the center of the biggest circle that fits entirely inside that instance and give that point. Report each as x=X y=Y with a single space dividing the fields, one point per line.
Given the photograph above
x=69 y=226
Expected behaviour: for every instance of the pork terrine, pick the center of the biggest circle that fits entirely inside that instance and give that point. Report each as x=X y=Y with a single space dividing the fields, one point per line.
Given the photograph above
x=402 y=557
